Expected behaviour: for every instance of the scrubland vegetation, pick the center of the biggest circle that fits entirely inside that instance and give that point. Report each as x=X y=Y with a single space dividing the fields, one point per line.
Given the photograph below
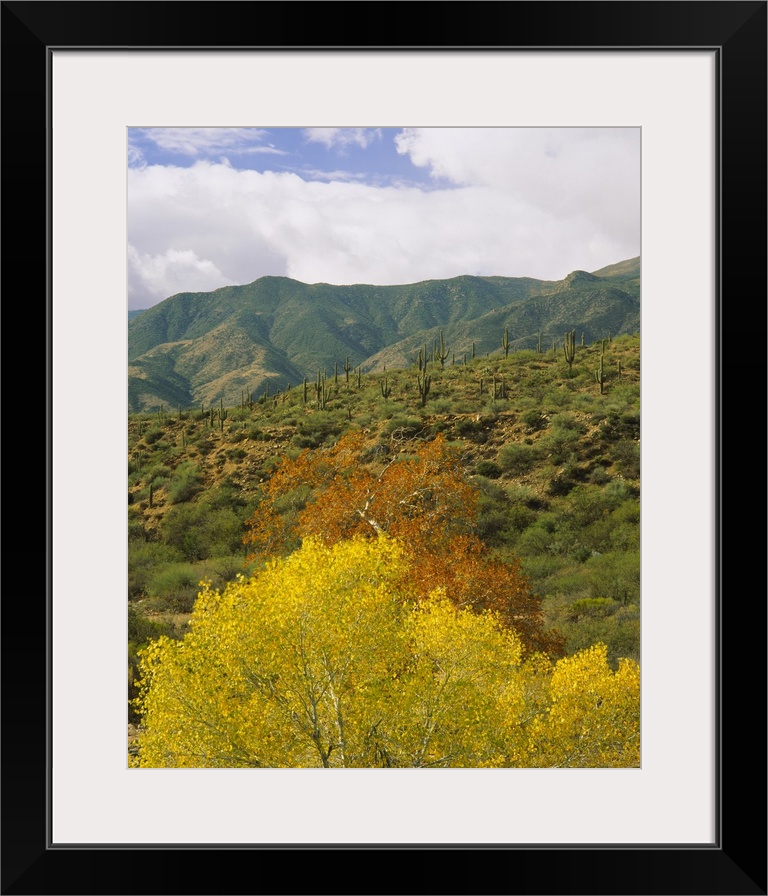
x=487 y=513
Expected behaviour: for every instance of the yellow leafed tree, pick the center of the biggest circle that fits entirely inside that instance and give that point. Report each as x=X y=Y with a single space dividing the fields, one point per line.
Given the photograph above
x=322 y=660
x=593 y=715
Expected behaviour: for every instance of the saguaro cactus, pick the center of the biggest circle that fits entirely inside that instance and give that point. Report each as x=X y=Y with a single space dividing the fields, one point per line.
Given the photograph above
x=386 y=389
x=323 y=393
x=424 y=385
x=442 y=353
x=569 y=348
x=505 y=341
x=600 y=372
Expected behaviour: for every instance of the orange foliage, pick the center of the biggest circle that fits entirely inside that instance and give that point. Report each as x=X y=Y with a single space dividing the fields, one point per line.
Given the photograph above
x=422 y=499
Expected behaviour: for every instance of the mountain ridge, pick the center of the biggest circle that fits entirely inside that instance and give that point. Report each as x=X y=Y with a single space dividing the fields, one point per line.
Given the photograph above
x=203 y=347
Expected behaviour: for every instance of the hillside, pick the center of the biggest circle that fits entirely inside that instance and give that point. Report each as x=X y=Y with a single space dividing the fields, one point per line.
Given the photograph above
x=554 y=454
x=198 y=348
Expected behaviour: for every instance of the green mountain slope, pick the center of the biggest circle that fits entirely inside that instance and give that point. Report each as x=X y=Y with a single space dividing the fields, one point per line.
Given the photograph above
x=202 y=347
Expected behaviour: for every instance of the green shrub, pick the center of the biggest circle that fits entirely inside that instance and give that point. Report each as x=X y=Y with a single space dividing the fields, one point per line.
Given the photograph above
x=534 y=420
x=316 y=430
x=595 y=607
x=488 y=468
x=405 y=427
x=560 y=485
x=186 y=483
x=468 y=427
x=198 y=531
x=143 y=558
x=517 y=458
x=174 y=587
x=626 y=456
x=615 y=575
x=142 y=630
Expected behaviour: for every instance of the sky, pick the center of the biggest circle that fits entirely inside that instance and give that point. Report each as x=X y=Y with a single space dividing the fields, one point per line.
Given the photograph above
x=212 y=207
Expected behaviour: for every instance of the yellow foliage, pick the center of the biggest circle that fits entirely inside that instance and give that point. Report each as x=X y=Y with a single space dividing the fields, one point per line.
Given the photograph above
x=593 y=719
x=321 y=659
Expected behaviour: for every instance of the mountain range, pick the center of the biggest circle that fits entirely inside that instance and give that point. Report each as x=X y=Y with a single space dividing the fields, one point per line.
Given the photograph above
x=203 y=347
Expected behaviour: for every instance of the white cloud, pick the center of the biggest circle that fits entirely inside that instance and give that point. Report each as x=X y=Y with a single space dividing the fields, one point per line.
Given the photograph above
x=155 y=277
x=536 y=204
x=196 y=142
x=340 y=138
x=587 y=173
x=135 y=155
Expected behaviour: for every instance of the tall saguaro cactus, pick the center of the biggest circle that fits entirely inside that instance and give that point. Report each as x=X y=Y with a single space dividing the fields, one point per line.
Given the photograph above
x=505 y=341
x=569 y=348
x=600 y=372
x=424 y=385
x=442 y=353
x=322 y=392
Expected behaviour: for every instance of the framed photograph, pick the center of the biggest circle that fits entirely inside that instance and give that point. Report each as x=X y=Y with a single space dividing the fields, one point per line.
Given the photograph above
x=692 y=78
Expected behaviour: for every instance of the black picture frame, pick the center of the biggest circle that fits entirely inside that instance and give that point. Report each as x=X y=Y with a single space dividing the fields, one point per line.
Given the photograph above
x=736 y=862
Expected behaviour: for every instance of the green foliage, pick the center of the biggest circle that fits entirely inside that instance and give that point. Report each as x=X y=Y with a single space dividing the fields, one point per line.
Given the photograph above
x=615 y=575
x=198 y=531
x=517 y=458
x=186 y=483
x=144 y=558
x=472 y=428
x=488 y=469
x=596 y=607
x=317 y=430
x=561 y=438
x=403 y=427
x=174 y=587
x=151 y=436
x=533 y=420
x=626 y=455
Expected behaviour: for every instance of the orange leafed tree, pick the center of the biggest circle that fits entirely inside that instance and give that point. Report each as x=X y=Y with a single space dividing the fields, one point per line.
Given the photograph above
x=424 y=500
